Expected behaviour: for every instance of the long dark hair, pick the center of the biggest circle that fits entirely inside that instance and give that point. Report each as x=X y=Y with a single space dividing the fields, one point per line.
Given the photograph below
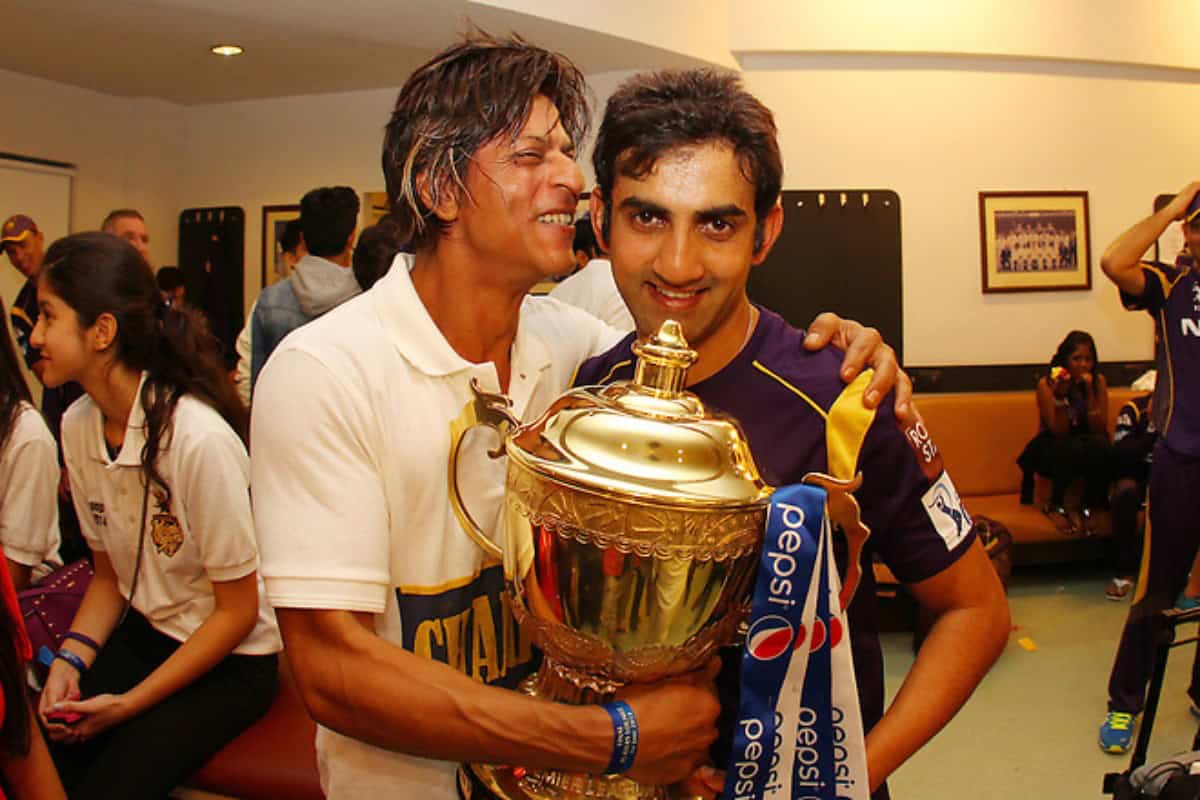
x=1062 y=356
x=97 y=273
x=13 y=388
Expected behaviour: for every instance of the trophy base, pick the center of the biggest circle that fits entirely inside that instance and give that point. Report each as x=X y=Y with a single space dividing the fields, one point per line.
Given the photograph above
x=515 y=783
x=520 y=783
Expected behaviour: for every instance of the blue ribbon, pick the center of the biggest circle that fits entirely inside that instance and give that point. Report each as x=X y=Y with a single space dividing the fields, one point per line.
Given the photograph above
x=792 y=549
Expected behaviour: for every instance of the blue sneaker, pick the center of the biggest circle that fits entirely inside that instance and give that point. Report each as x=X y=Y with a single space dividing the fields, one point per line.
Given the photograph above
x=1186 y=602
x=1116 y=733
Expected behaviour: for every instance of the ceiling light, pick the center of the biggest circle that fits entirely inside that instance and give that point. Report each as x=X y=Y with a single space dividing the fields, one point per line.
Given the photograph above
x=226 y=50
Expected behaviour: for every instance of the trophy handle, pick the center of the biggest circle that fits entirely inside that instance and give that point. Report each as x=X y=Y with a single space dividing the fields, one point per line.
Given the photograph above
x=491 y=411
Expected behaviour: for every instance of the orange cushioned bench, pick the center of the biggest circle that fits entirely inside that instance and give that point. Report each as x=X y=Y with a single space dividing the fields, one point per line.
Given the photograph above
x=980 y=435
x=273 y=759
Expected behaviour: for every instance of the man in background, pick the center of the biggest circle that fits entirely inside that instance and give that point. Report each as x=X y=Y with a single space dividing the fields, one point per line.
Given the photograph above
x=592 y=287
x=291 y=250
x=1170 y=293
x=321 y=280
x=171 y=284
x=130 y=225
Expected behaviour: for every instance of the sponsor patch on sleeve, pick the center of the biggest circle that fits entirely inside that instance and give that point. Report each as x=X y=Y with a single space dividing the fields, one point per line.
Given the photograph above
x=946 y=511
x=927 y=453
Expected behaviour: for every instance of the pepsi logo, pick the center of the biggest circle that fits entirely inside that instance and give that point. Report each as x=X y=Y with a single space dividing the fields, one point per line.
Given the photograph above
x=769 y=638
x=823 y=631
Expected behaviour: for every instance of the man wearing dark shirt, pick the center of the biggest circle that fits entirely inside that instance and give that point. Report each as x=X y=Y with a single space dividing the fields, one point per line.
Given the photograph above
x=688 y=178
x=1171 y=294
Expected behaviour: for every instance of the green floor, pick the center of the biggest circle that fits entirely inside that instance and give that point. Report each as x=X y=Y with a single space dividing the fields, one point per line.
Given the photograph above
x=1030 y=729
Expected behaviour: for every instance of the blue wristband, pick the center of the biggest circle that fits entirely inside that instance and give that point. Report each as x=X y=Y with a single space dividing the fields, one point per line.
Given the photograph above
x=72 y=659
x=625 y=737
x=82 y=638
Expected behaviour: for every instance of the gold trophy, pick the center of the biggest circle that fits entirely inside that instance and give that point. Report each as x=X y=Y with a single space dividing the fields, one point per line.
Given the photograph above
x=633 y=519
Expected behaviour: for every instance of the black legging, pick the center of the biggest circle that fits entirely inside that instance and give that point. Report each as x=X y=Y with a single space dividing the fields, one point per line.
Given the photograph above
x=1078 y=455
x=155 y=751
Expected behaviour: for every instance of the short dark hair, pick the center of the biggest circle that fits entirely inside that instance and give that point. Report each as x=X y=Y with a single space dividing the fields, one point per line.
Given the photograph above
x=120 y=213
x=376 y=249
x=290 y=239
x=585 y=237
x=463 y=98
x=327 y=218
x=655 y=112
x=169 y=278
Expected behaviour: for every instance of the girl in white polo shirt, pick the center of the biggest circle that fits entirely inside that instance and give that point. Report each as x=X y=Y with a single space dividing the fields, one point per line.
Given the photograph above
x=28 y=476
x=173 y=651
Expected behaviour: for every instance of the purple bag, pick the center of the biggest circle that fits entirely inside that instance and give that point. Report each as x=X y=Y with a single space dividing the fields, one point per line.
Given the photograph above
x=49 y=607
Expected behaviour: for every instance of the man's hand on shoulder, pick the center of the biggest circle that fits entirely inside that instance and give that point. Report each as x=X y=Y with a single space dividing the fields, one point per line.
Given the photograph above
x=864 y=348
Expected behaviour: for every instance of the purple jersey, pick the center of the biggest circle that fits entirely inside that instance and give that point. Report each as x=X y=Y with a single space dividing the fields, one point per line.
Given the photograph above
x=799 y=417
x=1172 y=296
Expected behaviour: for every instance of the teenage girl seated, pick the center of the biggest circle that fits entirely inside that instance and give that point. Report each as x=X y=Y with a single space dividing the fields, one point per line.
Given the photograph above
x=174 y=650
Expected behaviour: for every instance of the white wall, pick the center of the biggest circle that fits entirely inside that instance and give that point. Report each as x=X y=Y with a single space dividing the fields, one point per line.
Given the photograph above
x=938 y=136
x=270 y=152
x=860 y=100
x=1160 y=32
x=126 y=150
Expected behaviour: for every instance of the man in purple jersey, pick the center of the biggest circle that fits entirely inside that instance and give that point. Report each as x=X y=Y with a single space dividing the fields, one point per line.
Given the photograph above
x=688 y=176
x=1171 y=294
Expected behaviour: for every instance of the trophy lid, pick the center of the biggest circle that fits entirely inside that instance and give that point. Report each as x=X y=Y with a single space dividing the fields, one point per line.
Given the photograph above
x=644 y=440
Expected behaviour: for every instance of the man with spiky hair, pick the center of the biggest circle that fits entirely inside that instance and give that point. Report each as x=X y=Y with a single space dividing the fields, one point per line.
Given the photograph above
x=397 y=626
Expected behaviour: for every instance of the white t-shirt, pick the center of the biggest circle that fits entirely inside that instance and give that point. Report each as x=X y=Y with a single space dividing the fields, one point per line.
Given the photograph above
x=29 y=491
x=244 y=347
x=204 y=534
x=351 y=435
x=595 y=291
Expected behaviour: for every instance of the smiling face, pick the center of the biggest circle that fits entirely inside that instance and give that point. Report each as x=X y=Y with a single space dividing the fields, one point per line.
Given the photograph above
x=518 y=211
x=682 y=243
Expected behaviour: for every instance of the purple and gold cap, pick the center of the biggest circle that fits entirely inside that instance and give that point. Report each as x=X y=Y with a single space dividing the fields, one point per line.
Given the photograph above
x=1193 y=210
x=17 y=228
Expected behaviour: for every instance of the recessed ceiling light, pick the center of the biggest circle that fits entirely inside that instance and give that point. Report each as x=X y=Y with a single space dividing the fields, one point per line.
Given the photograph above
x=226 y=50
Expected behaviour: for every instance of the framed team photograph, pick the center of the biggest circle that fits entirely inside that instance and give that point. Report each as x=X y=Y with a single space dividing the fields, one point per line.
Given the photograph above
x=1035 y=241
x=274 y=218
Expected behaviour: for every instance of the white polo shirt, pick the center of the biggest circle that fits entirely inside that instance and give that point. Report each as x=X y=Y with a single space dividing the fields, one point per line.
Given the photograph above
x=594 y=289
x=351 y=434
x=29 y=491
x=204 y=534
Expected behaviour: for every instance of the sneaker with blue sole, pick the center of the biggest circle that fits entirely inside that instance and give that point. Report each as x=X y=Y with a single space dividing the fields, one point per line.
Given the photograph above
x=1116 y=734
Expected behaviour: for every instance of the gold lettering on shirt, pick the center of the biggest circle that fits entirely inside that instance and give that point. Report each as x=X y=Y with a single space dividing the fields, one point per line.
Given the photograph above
x=483 y=645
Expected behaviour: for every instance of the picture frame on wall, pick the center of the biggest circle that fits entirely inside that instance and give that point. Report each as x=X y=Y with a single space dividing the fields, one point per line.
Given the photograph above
x=1035 y=241
x=375 y=207
x=274 y=218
